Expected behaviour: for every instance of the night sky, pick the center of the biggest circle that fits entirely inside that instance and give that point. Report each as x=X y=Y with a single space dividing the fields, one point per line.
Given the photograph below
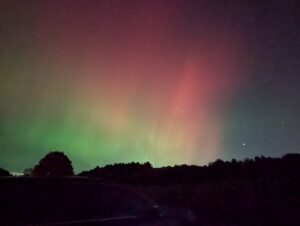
x=169 y=82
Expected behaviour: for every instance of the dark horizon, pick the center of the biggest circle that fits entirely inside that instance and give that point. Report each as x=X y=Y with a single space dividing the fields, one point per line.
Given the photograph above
x=76 y=171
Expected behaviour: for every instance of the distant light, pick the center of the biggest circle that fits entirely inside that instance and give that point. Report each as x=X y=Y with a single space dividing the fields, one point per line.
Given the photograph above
x=16 y=174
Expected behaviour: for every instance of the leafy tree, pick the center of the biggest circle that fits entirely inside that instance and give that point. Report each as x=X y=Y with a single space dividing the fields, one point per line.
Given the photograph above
x=54 y=164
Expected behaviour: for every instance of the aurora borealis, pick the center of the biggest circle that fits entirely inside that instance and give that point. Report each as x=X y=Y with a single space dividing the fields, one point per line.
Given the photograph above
x=170 y=82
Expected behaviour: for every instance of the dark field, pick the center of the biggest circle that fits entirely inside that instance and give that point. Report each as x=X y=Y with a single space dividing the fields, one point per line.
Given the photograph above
x=263 y=191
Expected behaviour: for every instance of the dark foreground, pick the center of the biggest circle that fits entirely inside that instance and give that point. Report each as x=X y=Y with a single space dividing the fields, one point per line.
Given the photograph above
x=260 y=192
x=81 y=201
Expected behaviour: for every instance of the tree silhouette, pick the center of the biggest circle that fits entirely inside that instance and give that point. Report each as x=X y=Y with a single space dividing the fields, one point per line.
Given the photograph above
x=54 y=164
x=27 y=172
x=4 y=173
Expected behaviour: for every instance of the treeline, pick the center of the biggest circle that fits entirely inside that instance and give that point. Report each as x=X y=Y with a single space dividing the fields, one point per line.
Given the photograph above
x=261 y=167
x=264 y=168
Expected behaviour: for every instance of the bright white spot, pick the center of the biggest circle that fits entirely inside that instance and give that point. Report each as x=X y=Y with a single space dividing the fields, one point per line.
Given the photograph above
x=17 y=174
x=244 y=144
